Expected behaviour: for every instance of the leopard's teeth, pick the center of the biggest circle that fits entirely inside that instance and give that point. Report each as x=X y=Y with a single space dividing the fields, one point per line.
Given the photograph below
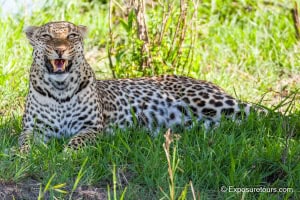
x=57 y=67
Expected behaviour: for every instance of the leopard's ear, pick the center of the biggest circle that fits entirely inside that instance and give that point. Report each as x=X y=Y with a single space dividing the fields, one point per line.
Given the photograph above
x=82 y=30
x=29 y=31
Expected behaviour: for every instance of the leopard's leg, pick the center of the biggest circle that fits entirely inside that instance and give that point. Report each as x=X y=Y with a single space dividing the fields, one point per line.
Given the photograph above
x=24 y=141
x=82 y=139
x=26 y=138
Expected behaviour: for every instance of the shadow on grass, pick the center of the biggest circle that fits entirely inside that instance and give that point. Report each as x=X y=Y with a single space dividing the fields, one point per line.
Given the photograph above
x=266 y=149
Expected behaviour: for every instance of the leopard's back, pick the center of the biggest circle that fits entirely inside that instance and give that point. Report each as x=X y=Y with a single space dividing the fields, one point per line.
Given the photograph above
x=165 y=101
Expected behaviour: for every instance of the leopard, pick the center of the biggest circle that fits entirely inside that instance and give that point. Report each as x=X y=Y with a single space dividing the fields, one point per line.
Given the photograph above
x=65 y=100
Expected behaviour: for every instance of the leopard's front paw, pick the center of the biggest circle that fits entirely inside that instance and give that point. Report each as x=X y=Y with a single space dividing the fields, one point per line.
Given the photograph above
x=81 y=140
x=75 y=144
x=24 y=149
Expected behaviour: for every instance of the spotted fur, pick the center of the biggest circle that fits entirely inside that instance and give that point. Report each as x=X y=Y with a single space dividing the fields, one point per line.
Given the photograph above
x=70 y=102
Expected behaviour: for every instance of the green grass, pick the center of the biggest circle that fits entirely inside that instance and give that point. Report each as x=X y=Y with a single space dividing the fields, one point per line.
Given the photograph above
x=248 y=48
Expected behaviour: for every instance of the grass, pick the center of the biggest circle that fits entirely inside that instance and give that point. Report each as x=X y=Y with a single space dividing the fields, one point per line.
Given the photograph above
x=247 y=47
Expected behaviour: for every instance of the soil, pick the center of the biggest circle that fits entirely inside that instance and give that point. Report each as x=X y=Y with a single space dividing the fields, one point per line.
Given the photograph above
x=29 y=190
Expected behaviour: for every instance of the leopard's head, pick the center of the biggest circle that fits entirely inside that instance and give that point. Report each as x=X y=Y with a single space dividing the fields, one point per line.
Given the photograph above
x=57 y=45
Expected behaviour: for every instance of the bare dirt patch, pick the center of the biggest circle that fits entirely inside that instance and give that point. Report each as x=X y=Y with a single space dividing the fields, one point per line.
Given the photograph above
x=29 y=189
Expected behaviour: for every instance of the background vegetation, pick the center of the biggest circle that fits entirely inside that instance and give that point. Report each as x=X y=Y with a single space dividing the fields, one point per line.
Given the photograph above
x=247 y=47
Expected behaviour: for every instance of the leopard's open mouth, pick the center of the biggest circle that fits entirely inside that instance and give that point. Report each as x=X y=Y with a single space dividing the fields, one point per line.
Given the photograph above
x=58 y=66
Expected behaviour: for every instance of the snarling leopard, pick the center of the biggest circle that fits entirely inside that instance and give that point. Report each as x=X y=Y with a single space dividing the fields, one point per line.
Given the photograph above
x=66 y=100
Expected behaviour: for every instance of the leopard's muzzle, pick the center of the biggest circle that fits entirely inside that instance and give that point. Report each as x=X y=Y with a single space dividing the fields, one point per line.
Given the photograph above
x=58 y=66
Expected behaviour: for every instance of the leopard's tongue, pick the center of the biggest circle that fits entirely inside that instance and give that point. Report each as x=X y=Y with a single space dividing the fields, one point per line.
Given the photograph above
x=59 y=65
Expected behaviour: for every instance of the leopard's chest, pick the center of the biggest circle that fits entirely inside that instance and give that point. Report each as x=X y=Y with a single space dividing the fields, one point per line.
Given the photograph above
x=62 y=119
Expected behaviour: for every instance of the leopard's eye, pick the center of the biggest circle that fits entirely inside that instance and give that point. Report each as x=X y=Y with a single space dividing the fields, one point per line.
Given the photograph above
x=46 y=36
x=72 y=36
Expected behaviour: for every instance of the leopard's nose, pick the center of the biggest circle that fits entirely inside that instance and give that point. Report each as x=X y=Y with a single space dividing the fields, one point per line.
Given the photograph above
x=60 y=51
